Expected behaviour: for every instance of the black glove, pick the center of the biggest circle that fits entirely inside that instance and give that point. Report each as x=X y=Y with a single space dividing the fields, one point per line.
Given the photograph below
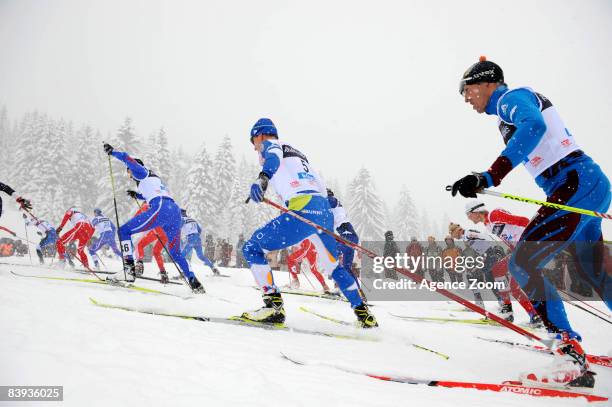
x=469 y=185
x=58 y=230
x=108 y=149
x=132 y=194
x=24 y=203
x=24 y=216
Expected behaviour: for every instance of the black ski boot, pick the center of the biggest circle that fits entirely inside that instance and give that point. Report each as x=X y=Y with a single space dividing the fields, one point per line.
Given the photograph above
x=139 y=268
x=163 y=276
x=272 y=311
x=196 y=286
x=506 y=312
x=365 y=319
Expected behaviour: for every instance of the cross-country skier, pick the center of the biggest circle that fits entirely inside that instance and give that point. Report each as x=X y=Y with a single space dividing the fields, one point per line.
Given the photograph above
x=509 y=228
x=536 y=137
x=47 y=231
x=23 y=203
x=303 y=191
x=160 y=239
x=476 y=244
x=106 y=236
x=80 y=231
x=163 y=212
x=191 y=231
x=304 y=251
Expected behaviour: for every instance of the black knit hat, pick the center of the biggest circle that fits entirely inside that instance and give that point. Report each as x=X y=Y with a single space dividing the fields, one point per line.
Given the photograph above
x=481 y=71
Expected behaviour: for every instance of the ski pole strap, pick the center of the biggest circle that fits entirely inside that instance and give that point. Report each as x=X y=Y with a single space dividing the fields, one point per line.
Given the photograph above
x=412 y=276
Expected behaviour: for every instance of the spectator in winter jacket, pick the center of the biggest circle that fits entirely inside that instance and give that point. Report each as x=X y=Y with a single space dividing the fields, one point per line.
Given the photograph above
x=433 y=251
x=390 y=250
x=240 y=261
x=415 y=250
x=449 y=255
x=210 y=247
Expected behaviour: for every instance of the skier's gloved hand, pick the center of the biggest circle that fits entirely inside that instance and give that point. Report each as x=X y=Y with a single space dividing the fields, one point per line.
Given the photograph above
x=24 y=216
x=259 y=187
x=469 y=185
x=58 y=230
x=39 y=233
x=108 y=149
x=132 y=194
x=24 y=203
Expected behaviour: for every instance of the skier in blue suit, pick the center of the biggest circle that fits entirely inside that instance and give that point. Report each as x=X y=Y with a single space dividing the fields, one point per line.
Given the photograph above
x=106 y=236
x=303 y=191
x=163 y=212
x=536 y=137
x=191 y=231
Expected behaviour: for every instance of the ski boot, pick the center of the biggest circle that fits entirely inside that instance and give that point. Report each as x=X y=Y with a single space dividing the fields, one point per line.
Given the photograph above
x=364 y=318
x=571 y=369
x=128 y=275
x=272 y=311
x=196 y=286
x=139 y=268
x=163 y=277
x=535 y=322
x=506 y=312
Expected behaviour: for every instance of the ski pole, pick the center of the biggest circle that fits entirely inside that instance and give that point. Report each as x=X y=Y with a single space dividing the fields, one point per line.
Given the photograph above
x=542 y=203
x=112 y=178
x=413 y=276
x=25 y=226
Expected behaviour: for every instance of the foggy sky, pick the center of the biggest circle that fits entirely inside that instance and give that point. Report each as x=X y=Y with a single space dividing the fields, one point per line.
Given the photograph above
x=350 y=83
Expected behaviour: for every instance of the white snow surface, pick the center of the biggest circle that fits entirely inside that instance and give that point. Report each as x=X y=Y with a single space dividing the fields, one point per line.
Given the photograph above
x=53 y=335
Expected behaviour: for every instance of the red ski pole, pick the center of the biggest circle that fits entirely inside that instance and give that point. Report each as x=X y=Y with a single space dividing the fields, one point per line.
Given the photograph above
x=413 y=276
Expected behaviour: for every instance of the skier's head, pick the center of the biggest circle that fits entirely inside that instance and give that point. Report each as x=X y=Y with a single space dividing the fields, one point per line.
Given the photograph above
x=476 y=211
x=262 y=130
x=479 y=82
x=455 y=230
x=389 y=235
x=98 y=212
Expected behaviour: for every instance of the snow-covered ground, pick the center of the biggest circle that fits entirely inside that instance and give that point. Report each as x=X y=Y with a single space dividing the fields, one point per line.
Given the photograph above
x=53 y=335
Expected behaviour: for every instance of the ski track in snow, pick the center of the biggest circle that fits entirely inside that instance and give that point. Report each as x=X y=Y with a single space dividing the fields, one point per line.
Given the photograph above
x=53 y=335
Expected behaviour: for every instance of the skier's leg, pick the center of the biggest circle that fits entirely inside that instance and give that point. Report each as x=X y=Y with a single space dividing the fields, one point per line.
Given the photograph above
x=82 y=237
x=65 y=239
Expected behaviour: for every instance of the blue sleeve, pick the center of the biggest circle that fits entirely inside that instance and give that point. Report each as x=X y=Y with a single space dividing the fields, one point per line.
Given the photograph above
x=333 y=201
x=271 y=155
x=521 y=108
x=138 y=171
x=199 y=229
x=94 y=221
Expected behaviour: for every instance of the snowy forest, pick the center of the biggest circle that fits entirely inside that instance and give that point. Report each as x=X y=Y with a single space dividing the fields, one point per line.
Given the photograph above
x=58 y=164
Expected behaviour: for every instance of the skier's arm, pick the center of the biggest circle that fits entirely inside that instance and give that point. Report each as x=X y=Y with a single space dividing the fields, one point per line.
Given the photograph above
x=199 y=228
x=500 y=216
x=67 y=216
x=138 y=171
x=272 y=155
x=6 y=189
x=523 y=110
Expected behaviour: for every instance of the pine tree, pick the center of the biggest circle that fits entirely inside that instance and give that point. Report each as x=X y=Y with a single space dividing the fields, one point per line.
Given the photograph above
x=6 y=142
x=365 y=207
x=425 y=229
x=405 y=217
x=200 y=190
x=224 y=168
x=89 y=164
x=127 y=141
